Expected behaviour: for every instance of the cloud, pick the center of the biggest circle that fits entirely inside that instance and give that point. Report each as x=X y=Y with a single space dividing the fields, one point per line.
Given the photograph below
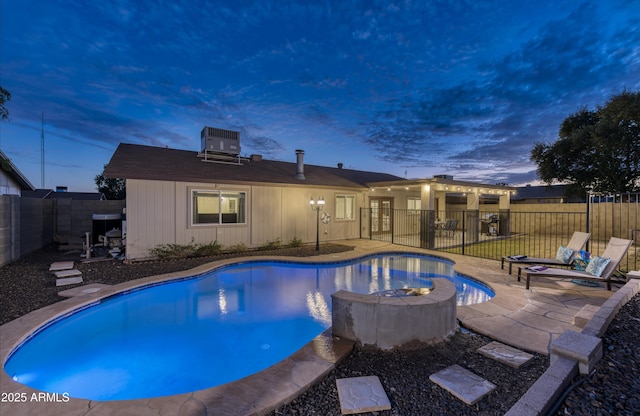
x=457 y=86
x=493 y=118
x=267 y=146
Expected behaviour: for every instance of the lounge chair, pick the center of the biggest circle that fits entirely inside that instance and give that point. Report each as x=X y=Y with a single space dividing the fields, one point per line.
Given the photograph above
x=578 y=240
x=615 y=251
x=450 y=228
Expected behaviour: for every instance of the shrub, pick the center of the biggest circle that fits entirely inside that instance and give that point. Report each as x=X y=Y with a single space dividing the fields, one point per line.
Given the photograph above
x=173 y=251
x=182 y=251
x=271 y=245
x=295 y=242
x=210 y=249
x=237 y=248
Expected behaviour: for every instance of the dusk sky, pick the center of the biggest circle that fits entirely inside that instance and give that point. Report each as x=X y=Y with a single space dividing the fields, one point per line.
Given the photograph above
x=412 y=88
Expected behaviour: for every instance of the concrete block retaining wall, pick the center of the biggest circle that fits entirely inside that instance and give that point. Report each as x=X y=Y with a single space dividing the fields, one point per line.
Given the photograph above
x=387 y=322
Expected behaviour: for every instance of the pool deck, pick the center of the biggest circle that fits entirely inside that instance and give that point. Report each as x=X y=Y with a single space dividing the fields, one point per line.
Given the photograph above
x=525 y=319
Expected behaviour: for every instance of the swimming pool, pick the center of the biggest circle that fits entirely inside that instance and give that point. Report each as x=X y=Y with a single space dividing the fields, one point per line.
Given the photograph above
x=199 y=332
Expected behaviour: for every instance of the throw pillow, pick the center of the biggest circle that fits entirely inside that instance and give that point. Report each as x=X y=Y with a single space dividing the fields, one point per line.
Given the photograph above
x=597 y=265
x=564 y=254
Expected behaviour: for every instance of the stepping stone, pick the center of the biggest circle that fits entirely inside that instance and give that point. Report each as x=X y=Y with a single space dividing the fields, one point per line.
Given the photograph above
x=69 y=281
x=361 y=394
x=61 y=265
x=463 y=384
x=67 y=273
x=505 y=354
x=82 y=290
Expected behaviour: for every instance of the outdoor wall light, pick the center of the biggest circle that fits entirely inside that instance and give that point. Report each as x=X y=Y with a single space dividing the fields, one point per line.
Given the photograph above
x=317 y=206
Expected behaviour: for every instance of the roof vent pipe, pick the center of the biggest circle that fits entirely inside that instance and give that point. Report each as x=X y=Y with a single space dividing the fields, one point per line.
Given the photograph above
x=300 y=161
x=340 y=165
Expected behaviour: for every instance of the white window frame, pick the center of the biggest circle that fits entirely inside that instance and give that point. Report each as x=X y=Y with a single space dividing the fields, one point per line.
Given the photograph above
x=238 y=208
x=343 y=216
x=411 y=205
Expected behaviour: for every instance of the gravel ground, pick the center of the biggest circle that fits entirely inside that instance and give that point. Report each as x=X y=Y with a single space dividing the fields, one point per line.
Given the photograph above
x=28 y=285
x=613 y=387
x=404 y=375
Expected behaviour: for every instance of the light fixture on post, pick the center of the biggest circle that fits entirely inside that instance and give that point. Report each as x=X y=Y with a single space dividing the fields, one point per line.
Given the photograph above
x=317 y=206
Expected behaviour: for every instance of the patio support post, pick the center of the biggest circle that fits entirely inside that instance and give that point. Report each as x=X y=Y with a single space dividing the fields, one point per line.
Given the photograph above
x=473 y=217
x=427 y=217
x=504 y=228
x=427 y=228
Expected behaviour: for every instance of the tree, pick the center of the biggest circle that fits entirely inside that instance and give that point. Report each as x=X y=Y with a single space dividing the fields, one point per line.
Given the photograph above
x=596 y=150
x=112 y=188
x=5 y=165
x=4 y=97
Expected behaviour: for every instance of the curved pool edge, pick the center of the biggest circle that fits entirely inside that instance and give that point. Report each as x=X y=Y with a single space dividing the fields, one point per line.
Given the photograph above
x=286 y=379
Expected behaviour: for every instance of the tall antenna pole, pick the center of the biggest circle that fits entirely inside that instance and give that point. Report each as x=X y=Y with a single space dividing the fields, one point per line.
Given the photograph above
x=42 y=153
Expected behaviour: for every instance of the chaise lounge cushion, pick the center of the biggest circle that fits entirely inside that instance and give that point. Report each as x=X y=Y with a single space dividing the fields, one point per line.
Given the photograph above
x=611 y=257
x=564 y=254
x=597 y=265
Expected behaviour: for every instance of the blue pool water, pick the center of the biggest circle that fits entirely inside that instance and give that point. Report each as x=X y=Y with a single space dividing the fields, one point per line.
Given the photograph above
x=200 y=332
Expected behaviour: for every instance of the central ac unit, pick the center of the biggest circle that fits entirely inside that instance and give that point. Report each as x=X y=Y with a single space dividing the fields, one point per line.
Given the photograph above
x=220 y=141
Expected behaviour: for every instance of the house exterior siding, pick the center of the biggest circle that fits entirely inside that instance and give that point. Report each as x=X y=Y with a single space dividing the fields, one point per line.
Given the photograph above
x=7 y=185
x=158 y=212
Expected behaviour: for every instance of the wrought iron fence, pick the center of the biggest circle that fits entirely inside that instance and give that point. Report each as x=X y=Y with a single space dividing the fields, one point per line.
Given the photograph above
x=493 y=234
x=615 y=216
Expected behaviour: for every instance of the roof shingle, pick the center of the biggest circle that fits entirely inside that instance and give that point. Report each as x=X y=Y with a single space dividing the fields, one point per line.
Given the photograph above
x=131 y=161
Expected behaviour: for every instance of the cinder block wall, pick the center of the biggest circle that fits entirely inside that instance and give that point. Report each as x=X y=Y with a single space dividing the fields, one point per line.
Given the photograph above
x=75 y=218
x=36 y=224
x=26 y=225
x=29 y=224
x=9 y=226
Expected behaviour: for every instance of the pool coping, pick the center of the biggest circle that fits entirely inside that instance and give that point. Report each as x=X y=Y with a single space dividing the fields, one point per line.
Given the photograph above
x=248 y=396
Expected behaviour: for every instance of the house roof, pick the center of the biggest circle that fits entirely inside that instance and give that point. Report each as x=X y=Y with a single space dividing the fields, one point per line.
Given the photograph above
x=50 y=194
x=14 y=173
x=540 y=192
x=131 y=161
x=37 y=193
x=545 y=193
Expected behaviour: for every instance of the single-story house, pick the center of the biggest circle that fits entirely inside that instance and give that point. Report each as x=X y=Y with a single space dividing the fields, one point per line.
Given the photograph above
x=180 y=197
x=12 y=181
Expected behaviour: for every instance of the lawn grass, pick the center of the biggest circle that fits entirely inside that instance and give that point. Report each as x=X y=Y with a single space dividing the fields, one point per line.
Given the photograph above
x=533 y=245
x=530 y=245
